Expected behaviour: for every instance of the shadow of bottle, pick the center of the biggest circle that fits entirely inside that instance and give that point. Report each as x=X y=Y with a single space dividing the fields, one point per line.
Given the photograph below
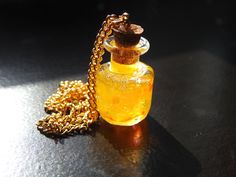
x=149 y=147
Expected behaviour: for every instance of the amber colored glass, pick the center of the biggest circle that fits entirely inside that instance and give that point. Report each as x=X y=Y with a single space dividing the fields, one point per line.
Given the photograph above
x=124 y=91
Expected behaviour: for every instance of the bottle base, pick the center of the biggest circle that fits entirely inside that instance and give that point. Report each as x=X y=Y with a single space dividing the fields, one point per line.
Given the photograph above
x=125 y=123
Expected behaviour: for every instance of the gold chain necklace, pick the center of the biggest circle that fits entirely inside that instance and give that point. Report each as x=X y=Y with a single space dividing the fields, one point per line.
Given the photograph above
x=73 y=108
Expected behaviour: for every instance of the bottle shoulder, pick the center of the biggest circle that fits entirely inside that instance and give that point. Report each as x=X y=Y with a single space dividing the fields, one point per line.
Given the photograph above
x=143 y=72
x=140 y=68
x=148 y=68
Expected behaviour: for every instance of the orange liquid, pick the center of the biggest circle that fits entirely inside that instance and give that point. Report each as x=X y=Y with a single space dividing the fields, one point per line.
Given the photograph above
x=124 y=92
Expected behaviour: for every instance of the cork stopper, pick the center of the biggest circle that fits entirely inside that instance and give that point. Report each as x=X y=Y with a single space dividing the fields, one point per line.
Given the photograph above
x=127 y=35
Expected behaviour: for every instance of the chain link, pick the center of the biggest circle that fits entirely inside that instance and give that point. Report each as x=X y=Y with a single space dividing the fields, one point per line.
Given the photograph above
x=72 y=109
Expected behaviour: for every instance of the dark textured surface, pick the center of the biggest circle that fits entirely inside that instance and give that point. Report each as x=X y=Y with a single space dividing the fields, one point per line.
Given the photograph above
x=190 y=130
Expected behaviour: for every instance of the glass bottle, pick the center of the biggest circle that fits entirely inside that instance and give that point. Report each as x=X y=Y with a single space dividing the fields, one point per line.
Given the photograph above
x=124 y=85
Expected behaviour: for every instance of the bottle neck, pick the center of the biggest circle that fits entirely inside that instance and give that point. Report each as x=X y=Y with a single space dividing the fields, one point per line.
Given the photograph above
x=125 y=59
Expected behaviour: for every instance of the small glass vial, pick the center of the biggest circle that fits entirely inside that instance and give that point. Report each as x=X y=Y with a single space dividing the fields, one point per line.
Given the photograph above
x=124 y=85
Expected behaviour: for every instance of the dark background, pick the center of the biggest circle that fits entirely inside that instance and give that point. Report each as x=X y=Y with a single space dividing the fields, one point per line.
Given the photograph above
x=190 y=130
x=53 y=31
